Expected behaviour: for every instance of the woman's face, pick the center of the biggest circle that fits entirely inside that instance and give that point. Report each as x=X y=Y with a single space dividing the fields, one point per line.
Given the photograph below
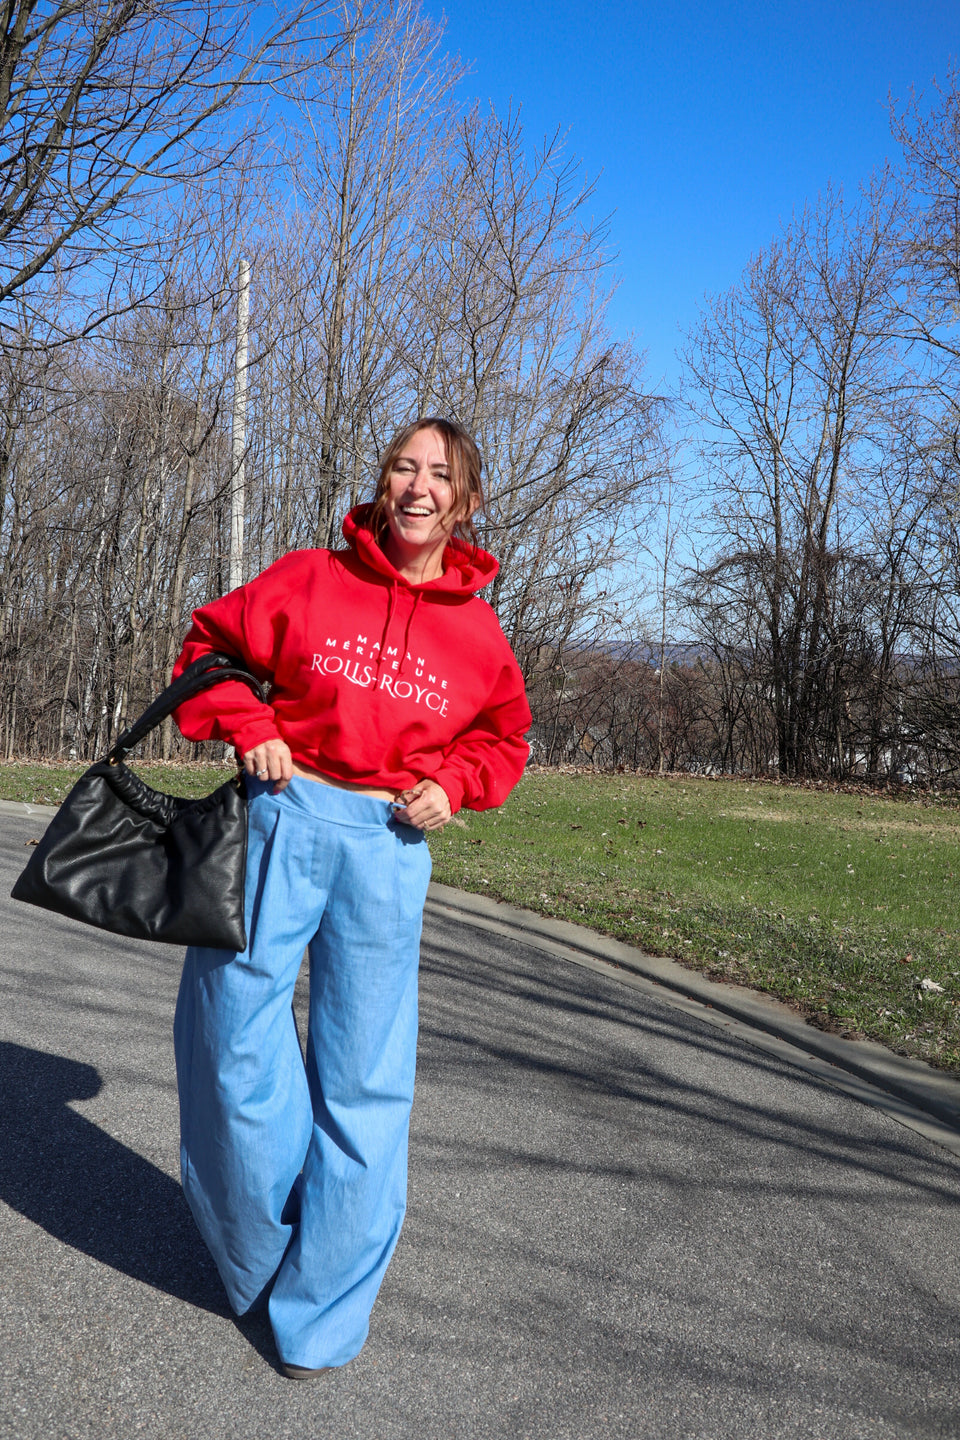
x=419 y=506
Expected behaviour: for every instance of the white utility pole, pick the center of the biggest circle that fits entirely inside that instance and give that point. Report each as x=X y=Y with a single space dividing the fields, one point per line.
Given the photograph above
x=237 y=479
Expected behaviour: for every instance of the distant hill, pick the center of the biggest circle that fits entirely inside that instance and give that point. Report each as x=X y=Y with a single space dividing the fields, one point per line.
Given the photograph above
x=676 y=652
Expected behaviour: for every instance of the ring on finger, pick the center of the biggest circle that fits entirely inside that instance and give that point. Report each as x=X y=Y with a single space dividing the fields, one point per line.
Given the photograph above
x=262 y=772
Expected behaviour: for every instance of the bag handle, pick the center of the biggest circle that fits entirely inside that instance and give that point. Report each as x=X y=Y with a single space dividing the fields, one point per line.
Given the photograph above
x=201 y=675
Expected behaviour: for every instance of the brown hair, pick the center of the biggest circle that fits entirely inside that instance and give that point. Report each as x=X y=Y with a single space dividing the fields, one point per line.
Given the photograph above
x=463 y=459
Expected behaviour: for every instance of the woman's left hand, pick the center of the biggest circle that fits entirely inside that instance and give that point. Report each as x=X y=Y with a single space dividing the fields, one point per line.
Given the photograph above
x=424 y=805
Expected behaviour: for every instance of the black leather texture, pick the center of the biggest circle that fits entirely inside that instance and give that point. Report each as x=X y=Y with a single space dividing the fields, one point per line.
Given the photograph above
x=139 y=862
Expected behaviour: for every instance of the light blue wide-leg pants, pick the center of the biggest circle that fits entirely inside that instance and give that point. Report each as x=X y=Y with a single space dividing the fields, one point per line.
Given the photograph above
x=296 y=1172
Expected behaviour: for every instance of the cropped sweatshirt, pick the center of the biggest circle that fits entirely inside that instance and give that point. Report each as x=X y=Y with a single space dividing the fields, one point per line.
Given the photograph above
x=373 y=680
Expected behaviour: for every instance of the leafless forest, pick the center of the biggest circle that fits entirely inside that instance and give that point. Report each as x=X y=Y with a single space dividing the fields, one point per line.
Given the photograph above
x=759 y=574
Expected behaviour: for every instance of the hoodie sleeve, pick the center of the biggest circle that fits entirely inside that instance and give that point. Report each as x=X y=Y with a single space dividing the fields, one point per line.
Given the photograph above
x=248 y=623
x=481 y=766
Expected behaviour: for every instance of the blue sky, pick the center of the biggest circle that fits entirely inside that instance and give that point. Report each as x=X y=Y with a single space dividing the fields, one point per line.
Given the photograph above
x=710 y=123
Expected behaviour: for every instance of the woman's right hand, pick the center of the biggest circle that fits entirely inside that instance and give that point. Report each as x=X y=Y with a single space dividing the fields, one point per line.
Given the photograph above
x=270 y=761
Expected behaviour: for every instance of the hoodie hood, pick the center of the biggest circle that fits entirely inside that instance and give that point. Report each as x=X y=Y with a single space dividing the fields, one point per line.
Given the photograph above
x=466 y=568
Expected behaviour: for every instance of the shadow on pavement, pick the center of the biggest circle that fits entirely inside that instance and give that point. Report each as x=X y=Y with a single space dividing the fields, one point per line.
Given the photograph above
x=527 y=1038
x=87 y=1189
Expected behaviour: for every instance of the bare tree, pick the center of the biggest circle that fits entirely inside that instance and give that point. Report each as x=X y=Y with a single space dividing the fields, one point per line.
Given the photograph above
x=102 y=103
x=510 y=338
x=795 y=374
x=929 y=305
x=371 y=126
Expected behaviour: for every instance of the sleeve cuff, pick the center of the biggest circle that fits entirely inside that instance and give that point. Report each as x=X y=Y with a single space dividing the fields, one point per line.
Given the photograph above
x=255 y=733
x=452 y=787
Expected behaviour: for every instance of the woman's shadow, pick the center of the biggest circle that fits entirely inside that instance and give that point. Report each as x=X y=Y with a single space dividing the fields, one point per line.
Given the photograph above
x=86 y=1189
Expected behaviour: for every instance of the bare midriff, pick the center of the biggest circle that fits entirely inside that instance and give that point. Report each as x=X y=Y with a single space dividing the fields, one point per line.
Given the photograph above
x=307 y=774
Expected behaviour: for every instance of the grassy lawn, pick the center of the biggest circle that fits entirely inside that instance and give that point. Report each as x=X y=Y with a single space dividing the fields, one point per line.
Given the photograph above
x=841 y=904
x=46 y=784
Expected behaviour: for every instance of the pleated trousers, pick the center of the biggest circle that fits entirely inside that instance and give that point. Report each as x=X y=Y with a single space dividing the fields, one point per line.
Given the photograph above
x=295 y=1165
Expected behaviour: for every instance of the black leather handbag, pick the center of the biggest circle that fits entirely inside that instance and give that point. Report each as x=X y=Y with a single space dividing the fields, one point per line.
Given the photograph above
x=138 y=862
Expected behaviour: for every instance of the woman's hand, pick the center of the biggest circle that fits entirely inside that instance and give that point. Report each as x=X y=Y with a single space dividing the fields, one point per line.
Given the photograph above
x=425 y=806
x=270 y=761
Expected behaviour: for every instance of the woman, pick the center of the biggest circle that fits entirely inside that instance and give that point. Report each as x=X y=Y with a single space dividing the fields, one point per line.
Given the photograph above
x=395 y=700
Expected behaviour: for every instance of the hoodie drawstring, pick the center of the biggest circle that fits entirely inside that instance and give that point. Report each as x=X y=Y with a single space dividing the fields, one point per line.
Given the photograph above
x=406 y=634
x=391 y=602
x=391 y=608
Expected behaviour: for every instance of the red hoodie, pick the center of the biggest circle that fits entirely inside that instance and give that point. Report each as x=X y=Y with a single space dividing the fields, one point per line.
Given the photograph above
x=374 y=680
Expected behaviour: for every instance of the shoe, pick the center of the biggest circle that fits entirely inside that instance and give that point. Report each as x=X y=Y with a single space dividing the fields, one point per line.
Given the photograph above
x=303 y=1372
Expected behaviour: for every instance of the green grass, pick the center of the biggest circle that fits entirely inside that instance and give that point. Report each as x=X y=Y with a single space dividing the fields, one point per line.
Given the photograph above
x=41 y=783
x=837 y=903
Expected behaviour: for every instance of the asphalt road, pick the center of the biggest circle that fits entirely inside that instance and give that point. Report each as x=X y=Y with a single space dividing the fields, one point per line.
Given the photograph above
x=624 y=1221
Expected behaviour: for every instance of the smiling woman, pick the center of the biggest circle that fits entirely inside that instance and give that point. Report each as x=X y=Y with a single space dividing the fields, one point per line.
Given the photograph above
x=394 y=700
x=429 y=489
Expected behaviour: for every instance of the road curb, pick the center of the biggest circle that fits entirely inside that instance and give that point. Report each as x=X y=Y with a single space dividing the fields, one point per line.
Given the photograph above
x=23 y=807
x=912 y=1081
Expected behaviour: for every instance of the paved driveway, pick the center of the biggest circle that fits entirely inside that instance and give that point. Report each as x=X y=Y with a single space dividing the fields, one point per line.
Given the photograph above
x=624 y=1222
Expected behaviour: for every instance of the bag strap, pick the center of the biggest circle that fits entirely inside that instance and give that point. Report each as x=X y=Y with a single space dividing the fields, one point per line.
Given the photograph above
x=209 y=670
